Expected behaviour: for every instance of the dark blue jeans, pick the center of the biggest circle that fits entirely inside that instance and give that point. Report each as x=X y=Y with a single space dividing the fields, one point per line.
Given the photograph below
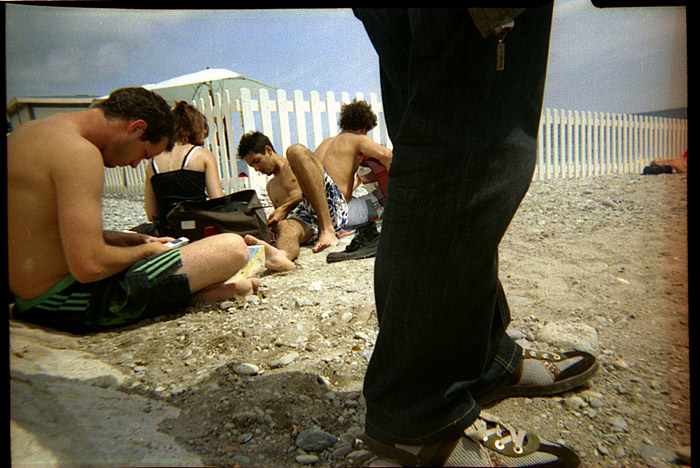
x=464 y=137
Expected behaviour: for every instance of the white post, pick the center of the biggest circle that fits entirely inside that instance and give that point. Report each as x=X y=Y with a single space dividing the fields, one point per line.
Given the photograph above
x=559 y=165
x=577 y=144
x=316 y=109
x=589 y=143
x=266 y=108
x=549 y=159
x=332 y=107
x=300 y=115
x=540 y=166
x=283 y=110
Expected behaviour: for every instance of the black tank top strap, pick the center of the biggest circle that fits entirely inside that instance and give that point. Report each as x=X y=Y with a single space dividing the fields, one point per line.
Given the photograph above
x=184 y=160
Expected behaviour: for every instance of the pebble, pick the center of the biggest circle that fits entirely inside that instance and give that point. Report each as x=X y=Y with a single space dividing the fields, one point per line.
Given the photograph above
x=359 y=456
x=361 y=336
x=241 y=460
x=575 y=402
x=620 y=389
x=315 y=440
x=252 y=300
x=596 y=403
x=619 y=424
x=618 y=452
x=307 y=459
x=285 y=360
x=306 y=399
x=652 y=453
x=342 y=451
x=515 y=334
x=620 y=365
x=346 y=317
x=684 y=454
x=570 y=335
x=246 y=369
x=302 y=302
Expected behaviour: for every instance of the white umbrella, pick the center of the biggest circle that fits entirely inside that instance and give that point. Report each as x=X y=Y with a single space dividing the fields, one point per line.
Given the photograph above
x=201 y=83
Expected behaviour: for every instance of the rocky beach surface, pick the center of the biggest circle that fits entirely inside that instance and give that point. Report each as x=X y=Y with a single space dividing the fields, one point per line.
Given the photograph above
x=598 y=264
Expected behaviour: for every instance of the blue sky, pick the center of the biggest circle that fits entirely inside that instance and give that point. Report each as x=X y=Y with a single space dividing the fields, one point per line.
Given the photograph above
x=613 y=60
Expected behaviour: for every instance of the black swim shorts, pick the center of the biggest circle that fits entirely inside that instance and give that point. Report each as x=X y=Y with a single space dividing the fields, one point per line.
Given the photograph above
x=146 y=289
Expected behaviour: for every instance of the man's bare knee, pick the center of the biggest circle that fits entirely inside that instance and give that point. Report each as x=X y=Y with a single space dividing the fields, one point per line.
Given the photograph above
x=233 y=247
x=297 y=152
x=216 y=255
x=289 y=227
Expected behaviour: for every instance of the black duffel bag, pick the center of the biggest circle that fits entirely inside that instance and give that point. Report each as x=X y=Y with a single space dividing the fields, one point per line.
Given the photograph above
x=240 y=212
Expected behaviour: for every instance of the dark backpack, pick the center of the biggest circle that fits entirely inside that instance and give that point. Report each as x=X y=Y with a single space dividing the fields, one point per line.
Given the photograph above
x=240 y=212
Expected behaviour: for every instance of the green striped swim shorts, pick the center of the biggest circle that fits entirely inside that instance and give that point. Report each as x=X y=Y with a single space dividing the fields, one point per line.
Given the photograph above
x=146 y=289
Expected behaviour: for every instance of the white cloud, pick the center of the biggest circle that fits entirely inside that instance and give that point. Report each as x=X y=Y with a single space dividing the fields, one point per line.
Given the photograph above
x=61 y=50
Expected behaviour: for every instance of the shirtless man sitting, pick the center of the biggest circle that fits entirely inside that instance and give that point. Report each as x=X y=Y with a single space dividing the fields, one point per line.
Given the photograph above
x=325 y=179
x=64 y=270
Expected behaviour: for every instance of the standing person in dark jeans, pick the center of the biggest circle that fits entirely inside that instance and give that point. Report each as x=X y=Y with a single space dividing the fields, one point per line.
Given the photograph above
x=462 y=111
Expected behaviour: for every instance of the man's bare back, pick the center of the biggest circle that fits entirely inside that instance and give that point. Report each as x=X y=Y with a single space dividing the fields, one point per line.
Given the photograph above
x=55 y=176
x=341 y=156
x=35 y=258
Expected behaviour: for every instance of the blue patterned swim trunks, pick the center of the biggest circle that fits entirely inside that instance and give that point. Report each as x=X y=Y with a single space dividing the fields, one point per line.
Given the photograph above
x=337 y=206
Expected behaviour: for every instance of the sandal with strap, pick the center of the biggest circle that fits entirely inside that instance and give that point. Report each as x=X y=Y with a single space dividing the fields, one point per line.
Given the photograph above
x=544 y=373
x=487 y=442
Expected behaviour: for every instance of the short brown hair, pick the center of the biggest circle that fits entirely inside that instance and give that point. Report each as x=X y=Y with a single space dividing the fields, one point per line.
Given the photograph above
x=253 y=142
x=140 y=103
x=357 y=115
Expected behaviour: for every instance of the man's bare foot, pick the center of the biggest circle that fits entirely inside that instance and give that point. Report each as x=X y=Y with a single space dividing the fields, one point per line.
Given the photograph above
x=275 y=259
x=245 y=287
x=325 y=240
x=225 y=291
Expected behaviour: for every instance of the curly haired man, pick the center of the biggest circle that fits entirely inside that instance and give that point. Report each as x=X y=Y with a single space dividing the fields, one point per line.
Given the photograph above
x=325 y=179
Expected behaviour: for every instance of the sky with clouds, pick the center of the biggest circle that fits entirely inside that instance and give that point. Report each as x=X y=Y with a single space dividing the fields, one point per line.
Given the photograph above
x=611 y=60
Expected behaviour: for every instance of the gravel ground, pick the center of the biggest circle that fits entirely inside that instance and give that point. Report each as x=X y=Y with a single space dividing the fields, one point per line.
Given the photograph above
x=599 y=264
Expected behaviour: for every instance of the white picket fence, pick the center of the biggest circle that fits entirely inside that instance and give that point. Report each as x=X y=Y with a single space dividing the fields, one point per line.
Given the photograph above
x=579 y=144
x=570 y=143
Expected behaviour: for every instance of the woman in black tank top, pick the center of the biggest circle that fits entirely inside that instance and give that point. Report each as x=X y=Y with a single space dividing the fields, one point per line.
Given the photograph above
x=188 y=172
